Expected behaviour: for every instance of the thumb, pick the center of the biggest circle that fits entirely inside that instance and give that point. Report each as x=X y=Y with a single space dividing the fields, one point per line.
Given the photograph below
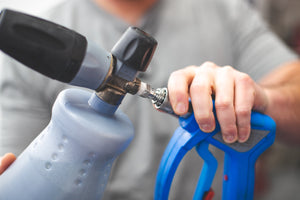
x=6 y=161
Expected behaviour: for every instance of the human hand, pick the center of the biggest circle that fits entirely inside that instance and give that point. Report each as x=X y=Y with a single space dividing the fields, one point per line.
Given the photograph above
x=236 y=95
x=6 y=161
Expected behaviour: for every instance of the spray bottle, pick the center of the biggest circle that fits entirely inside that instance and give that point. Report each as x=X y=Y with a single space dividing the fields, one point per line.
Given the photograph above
x=72 y=157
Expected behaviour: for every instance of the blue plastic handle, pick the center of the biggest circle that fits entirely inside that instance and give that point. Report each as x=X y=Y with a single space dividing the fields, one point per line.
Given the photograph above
x=240 y=158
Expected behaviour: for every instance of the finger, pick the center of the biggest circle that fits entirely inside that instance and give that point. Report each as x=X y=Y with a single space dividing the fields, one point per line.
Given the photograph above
x=6 y=161
x=201 y=90
x=178 y=86
x=224 y=103
x=260 y=99
x=244 y=101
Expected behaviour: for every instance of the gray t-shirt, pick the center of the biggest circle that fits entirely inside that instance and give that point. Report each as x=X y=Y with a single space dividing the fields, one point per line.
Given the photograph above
x=189 y=32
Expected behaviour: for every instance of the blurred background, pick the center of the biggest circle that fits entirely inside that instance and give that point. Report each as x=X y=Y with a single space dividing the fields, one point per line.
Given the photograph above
x=284 y=18
x=30 y=6
x=281 y=164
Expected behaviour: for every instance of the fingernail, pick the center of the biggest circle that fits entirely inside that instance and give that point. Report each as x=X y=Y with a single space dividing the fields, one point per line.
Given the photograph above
x=180 y=108
x=228 y=138
x=207 y=128
x=242 y=138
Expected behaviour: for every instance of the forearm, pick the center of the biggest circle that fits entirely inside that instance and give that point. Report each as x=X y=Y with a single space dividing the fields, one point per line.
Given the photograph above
x=283 y=90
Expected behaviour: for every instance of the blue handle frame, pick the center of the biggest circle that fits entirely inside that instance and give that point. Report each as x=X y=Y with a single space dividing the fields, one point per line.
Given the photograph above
x=240 y=158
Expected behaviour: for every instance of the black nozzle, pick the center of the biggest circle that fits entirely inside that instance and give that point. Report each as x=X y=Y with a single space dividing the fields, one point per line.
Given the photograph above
x=135 y=49
x=46 y=47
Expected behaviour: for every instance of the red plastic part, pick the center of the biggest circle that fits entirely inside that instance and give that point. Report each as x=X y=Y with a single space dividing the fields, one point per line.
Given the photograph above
x=225 y=177
x=209 y=195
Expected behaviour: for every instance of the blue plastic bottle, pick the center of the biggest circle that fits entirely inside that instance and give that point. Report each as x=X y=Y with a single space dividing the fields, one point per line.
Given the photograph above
x=72 y=157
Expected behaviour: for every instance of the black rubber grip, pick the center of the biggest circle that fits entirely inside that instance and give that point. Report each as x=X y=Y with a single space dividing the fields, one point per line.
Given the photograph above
x=135 y=49
x=46 y=47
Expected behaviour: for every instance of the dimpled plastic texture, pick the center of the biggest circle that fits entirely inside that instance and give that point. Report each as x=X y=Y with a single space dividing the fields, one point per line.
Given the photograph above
x=72 y=157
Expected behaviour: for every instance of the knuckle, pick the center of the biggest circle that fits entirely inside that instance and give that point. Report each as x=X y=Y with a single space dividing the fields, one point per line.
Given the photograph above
x=227 y=68
x=197 y=87
x=191 y=67
x=245 y=79
x=208 y=64
x=243 y=112
x=223 y=104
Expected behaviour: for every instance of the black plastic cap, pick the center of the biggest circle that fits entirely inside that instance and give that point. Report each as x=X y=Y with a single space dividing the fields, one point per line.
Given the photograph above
x=46 y=47
x=135 y=49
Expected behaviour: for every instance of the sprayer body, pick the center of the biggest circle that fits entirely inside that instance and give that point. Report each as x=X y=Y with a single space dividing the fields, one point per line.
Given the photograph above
x=72 y=157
